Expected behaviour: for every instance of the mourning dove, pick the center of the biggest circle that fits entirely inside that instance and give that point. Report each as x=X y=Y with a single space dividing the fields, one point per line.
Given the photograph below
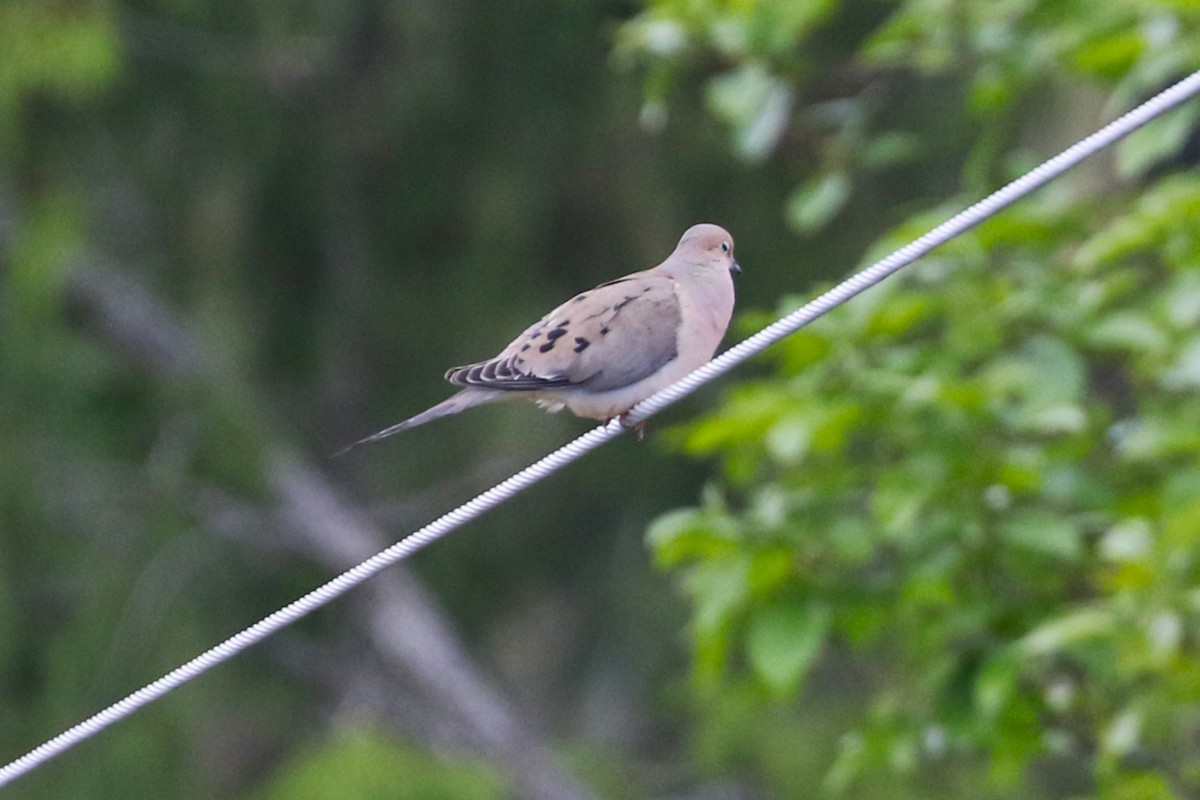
x=604 y=350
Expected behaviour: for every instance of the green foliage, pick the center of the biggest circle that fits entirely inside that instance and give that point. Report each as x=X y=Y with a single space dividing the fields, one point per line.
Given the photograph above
x=972 y=489
x=55 y=49
x=986 y=472
x=63 y=48
x=365 y=766
x=768 y=66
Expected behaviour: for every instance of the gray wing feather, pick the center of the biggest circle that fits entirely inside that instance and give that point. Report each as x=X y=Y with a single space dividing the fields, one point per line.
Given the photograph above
x=612 y=336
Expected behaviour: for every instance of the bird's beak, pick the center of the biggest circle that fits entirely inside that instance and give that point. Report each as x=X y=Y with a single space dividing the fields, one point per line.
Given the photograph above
x=735 y=267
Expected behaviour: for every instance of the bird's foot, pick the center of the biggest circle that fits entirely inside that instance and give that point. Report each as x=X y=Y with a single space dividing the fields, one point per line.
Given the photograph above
x=638 y=428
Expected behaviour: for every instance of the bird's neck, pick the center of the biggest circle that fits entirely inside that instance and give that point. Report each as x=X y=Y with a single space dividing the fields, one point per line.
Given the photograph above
x=713 y=291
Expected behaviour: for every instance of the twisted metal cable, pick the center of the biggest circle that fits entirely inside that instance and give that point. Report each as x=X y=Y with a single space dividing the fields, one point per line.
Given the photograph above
x=958 y=224
x=548 y=465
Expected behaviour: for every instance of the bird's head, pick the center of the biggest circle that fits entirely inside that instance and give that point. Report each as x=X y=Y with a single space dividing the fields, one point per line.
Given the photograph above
x=708 y=245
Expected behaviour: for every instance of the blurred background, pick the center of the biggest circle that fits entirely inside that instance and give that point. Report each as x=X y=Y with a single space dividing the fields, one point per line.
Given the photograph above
x=942 y=544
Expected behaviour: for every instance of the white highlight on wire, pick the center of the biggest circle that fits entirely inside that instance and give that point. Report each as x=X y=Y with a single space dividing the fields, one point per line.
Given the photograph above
x=546 y=466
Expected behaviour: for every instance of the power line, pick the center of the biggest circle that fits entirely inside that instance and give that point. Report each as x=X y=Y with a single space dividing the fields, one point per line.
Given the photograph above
x=548 y=465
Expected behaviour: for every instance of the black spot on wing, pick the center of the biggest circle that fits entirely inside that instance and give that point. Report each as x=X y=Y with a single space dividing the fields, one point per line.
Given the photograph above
x=547 y=347
x=581 y=344
x=648 y=339
x=557 y=333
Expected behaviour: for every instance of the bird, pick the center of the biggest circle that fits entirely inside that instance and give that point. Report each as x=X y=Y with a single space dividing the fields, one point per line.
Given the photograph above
x=608 y=348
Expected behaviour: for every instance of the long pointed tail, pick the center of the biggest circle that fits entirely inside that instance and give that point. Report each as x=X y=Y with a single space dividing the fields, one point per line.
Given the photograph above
x=467 y=398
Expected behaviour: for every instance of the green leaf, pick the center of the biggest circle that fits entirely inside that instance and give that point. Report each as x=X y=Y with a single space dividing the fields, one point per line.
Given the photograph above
x=1058 y=373
x=1060 y=633
x=1130 y=332
x=891 y=148
x=1185 y=373
x=997 y=681
x=788 y=439
x=1137 y=786
x=783 y=642
x=747 y=415
x=776 y=26
x=770 y=569
x=370 y=766
x=1123 y=733
x=757 y=105
x=71 y=51
x=1159 y=141
x=801 y=350
x=1110 y=56
x=691 y=534
x=902 y=313
x=719 y=589
x=1183 y=303
x=818 y=201
x=1130 y=540
x=44 y=253
x=1043 y=532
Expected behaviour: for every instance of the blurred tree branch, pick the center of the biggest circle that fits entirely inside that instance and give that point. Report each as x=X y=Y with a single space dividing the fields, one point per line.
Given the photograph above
x=405 y=630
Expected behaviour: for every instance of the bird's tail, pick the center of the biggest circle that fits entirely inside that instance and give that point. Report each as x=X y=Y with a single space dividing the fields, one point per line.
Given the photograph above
x=467 y=398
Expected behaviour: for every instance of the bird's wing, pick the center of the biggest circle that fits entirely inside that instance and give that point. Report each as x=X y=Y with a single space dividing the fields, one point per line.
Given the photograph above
x=607 y=338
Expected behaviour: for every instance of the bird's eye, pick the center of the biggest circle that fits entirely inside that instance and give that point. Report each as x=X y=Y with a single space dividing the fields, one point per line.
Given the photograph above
x=724 y=247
